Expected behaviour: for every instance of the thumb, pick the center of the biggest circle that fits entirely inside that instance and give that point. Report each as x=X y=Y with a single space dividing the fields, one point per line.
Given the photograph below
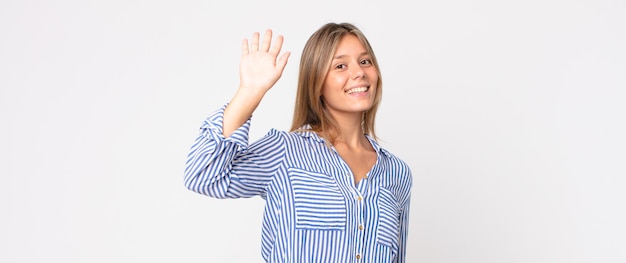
x=282 y=60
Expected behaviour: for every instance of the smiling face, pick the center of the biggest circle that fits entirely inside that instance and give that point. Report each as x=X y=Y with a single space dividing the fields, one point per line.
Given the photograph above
x=351 y=82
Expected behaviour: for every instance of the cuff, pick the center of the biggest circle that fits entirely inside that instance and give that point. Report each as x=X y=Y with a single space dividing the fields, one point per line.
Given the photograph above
x=213 y=126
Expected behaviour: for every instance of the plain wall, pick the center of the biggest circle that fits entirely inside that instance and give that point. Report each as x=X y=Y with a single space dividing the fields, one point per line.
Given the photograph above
x=510 y=114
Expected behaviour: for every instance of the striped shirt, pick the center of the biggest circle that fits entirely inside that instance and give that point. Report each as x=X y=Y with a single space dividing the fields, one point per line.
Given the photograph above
x=314 y=212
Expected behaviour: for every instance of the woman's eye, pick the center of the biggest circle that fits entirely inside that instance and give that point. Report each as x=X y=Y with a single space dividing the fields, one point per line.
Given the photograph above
x=340 y=66
x=366 y=62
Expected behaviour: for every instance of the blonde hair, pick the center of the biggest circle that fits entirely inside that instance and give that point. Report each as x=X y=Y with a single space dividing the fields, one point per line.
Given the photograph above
x=314 y=65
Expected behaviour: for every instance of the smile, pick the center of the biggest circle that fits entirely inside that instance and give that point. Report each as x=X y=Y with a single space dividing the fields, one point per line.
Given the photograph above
x=357 y=90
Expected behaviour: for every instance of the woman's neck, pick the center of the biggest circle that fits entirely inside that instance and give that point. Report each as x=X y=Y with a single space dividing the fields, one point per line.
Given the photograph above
x=350 y=131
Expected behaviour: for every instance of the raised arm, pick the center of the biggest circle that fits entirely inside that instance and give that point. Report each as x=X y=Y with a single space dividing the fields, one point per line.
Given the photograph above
x=259 y=69
x=221 y=163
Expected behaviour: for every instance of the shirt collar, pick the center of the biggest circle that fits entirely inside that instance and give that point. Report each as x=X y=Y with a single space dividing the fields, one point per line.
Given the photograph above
x=305 y=131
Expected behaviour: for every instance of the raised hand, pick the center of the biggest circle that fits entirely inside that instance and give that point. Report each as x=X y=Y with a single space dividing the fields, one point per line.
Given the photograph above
x=260 y=65
x=259 y=69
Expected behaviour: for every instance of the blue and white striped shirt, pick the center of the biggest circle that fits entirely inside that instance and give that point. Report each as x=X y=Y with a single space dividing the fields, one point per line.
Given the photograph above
x=314 y=212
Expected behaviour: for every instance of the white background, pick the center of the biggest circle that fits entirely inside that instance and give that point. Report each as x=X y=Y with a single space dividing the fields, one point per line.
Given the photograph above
x=510 y=114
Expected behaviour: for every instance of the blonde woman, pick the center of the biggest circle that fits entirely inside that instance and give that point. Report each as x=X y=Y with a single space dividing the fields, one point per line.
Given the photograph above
x=332 y=193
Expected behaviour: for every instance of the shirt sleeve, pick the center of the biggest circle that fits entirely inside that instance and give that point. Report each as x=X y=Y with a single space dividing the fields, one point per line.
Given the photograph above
x=229 y=167
x=404 y=231
x=405 y=204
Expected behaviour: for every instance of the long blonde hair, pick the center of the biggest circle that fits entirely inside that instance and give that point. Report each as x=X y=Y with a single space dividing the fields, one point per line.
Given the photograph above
x=314 y=65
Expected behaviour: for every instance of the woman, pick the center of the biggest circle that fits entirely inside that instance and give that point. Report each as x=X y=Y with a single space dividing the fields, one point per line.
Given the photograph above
x=332 y=193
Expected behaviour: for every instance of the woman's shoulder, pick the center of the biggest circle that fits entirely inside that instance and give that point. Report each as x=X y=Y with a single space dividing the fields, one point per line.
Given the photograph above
x=395 y=161
x=395 y=157
x=391 y=157
x=296 y=135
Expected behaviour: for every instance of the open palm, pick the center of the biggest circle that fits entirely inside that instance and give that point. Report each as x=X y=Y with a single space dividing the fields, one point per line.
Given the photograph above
x=260 y=65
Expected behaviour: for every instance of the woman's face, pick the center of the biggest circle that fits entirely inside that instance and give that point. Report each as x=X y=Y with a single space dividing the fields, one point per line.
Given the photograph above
x=350 y=84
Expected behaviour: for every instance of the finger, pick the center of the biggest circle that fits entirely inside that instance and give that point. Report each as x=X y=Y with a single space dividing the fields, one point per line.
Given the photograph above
x=282 y=60
x=278 y=44
x=255 y=42
x=244 y=47
x=267 y=40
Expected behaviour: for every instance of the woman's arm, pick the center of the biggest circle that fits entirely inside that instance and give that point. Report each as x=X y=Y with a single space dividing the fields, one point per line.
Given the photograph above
x=220 y=163
x=406 y=180
x=404 y=231
x=223 y=167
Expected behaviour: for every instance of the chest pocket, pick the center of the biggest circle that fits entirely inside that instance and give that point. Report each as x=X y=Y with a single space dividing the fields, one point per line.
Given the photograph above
x=318 y=202
x=388 y=231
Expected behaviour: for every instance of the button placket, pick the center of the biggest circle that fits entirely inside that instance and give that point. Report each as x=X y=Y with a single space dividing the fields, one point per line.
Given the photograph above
x=359 y=227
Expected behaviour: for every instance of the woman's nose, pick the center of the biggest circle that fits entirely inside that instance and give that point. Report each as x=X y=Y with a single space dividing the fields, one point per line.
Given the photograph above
x=358 y=73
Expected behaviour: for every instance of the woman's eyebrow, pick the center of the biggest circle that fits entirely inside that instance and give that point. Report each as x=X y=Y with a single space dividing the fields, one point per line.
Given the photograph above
x=364 y=53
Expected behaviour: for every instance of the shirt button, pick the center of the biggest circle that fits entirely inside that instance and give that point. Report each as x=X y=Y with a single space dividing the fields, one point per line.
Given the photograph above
x=359 y=198
x=358 y=256
x=360 y=227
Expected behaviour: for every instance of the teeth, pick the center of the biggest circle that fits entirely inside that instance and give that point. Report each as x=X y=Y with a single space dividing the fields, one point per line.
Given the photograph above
x=355 y=90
